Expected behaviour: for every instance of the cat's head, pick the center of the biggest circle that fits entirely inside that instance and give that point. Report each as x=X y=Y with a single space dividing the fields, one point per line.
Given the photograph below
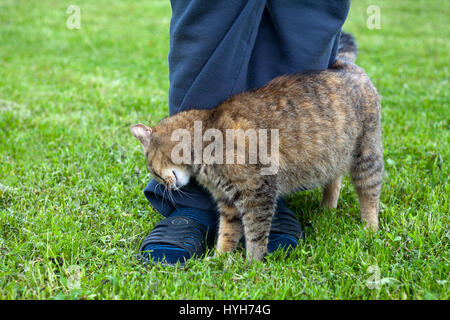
x=157 y=149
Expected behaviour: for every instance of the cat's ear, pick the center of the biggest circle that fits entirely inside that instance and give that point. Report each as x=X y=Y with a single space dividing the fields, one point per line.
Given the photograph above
x=142 y=133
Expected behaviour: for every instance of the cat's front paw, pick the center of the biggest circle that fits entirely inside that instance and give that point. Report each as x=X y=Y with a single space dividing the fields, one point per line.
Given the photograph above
x=256 y=252
x=219 y=251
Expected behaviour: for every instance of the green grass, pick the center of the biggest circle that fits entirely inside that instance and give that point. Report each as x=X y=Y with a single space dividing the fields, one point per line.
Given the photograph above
x=72 y=175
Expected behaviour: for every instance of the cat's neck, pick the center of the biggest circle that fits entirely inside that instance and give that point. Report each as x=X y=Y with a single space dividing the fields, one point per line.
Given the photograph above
x=189 y=119
x=193 y=115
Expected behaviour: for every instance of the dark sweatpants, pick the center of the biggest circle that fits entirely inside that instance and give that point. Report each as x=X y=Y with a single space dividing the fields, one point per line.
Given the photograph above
x=222 y=47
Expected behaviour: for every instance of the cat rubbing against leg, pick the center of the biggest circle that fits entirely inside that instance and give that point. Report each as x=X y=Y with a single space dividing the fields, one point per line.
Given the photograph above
x=311 y=128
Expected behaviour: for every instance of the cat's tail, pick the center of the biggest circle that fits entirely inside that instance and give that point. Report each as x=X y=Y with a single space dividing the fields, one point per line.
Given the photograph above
x=348 y=48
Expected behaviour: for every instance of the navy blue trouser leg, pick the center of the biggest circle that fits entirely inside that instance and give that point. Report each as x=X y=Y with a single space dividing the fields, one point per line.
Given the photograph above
x=220 y=48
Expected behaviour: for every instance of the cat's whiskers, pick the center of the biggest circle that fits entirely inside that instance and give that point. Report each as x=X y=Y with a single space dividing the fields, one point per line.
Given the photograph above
x=172 y=199
x=184 y=192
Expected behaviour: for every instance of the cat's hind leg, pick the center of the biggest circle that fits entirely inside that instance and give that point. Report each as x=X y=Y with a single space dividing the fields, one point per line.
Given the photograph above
x=366 y=173
x=330 y=193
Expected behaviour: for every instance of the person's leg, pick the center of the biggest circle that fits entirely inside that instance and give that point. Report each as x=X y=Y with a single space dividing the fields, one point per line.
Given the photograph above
x=210 y=41
x=221 y=48
x=295 y=36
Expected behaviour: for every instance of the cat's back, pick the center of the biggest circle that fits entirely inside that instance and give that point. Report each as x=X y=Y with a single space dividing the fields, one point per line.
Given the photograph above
x=319 y=116
x=316 y=98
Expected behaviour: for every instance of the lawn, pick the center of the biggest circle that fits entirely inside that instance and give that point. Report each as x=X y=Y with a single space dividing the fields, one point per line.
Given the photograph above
x=72 y=211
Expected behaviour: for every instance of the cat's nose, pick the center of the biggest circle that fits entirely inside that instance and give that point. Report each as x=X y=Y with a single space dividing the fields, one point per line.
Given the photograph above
x=171 y=183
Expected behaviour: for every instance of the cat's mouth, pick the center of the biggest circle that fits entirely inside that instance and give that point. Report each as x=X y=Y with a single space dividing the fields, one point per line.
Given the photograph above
x=178 y=179
x=175 y=184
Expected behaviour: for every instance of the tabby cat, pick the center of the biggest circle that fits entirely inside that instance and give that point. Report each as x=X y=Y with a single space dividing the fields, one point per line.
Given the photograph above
x=327 y=123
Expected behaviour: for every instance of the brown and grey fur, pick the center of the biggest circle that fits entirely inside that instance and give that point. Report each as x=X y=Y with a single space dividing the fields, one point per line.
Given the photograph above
x=329 y=123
